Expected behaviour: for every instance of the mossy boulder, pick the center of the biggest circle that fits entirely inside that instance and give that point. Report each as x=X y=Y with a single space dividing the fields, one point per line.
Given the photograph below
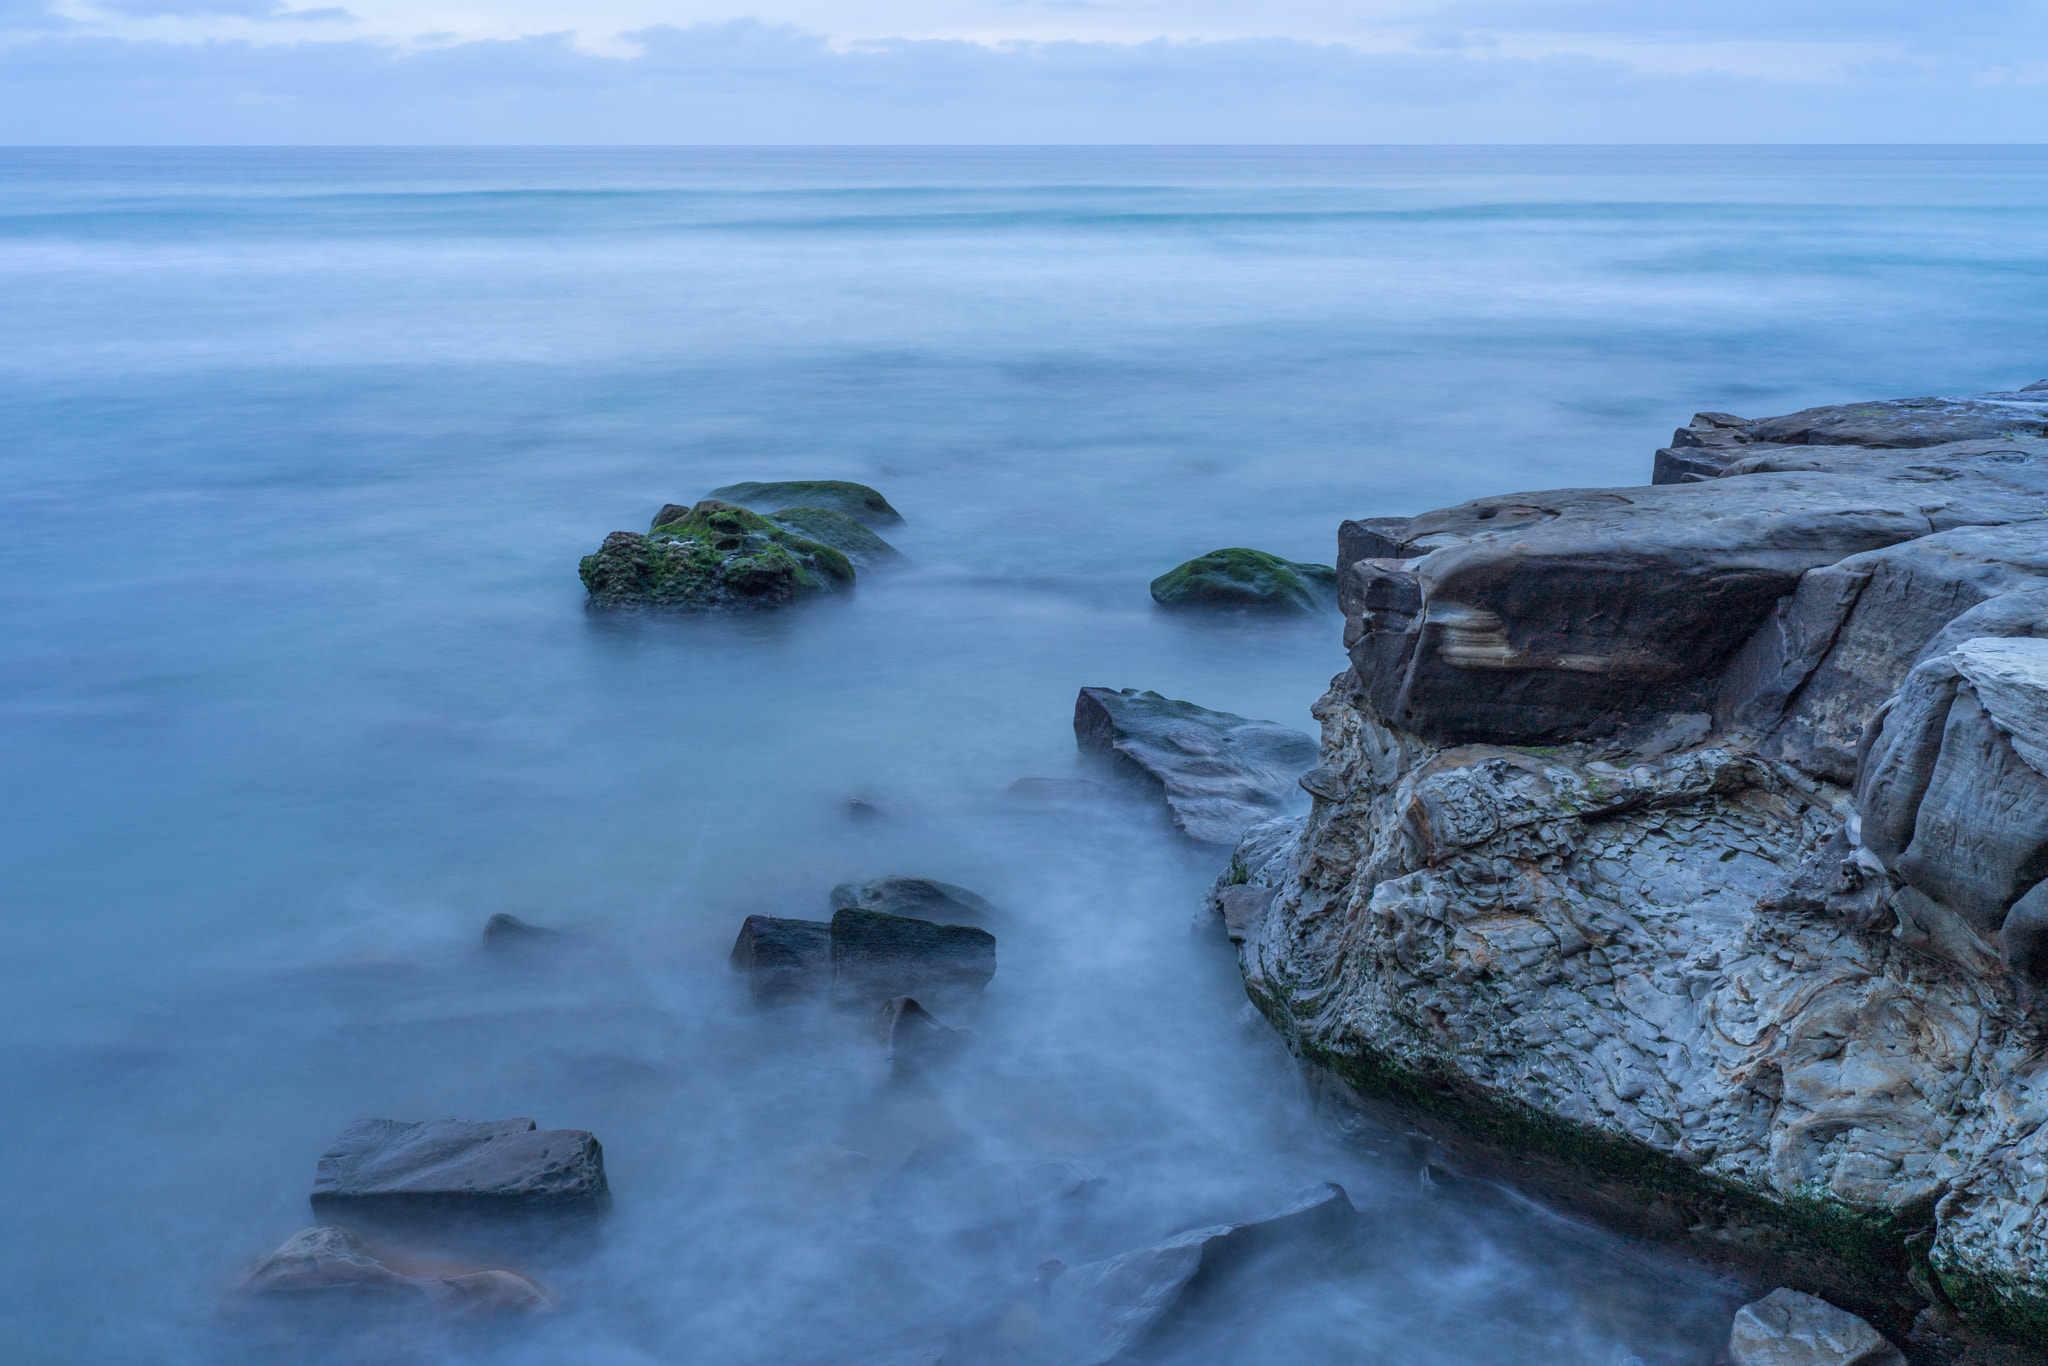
x=839 y=531
x=709 y=556
x=857 y=501
x=1247 y=579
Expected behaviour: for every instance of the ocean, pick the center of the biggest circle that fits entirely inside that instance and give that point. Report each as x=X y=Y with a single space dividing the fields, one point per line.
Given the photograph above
x=301 y=448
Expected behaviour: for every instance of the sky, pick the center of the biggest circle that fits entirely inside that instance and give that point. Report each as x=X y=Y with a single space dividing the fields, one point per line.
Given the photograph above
x=1022 y=71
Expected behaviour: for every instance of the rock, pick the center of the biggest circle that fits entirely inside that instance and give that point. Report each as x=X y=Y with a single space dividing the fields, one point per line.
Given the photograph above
x=1106 y=1311
x=843 y=533
x=1219 y=773
x=857 y=501
x=714 y=556
x=453 y=1166
x=912 y=1035
x=1249 y=579
x=876 y=956
x=1243 y=909
x=331 y=1263
x=782 y=959
x=920 y=898
x=1906 y=422
x=509 y=934
x=1787 y=1328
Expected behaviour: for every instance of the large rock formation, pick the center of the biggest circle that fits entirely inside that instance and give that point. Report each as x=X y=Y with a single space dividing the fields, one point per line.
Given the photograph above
x=1678 y=852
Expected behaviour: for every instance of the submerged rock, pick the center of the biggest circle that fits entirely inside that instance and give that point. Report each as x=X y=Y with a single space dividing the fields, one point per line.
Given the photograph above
x=509 y=934
x=876 y=956
x=1106 y=1311
x=782 y=959
x=857 y=501
x=1218 y=773
x=912 y=1035
x=1249 y=579
x=714 y=555
x=453 y=1166
x=921 y=898
x=1788 y=1328
x=843 y=533
x=1678 y=853
x=329 y=1264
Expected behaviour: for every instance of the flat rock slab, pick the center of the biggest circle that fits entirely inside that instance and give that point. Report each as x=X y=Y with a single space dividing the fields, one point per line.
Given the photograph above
x=502 y=1166
x=1106 y=1311
x=876 y=956
x=1219 y=774
x=329 y=1264
x=783 y=958
x=1789 y=1328
x=920 y=898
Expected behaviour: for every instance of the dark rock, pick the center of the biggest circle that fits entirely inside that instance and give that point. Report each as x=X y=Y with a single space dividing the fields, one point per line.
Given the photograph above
x=859 y=810
x=436 y=1166
x=715 y=556
x=1369 y=538
x=1106 y=1311
x=1249 y=579
x=2023 y=938
x=1218 y=773
x=1788 y=1328
x=912 y=1035
x=857 y=501
x=782 y=959
x=843 y=533
x=509 y=934
x=876 y=956
x=331 y=1264
x=1691 y=464
x=920 y=898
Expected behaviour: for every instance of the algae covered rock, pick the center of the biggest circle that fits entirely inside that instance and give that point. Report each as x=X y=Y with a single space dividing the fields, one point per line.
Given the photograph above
x=1247 y=579
x=713 y=555
x=843 y=533
x=834 y=495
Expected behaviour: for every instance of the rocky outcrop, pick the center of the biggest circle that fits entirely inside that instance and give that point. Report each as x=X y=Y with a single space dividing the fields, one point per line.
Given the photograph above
x=452 y=1166
x=1217 y=773
x=857 y=501
x=1249 y=580
x=714 y=555
x=1678 y=852
x=331 y=1266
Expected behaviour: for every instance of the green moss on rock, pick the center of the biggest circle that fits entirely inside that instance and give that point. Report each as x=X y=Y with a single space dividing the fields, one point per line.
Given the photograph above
x=712 y=555
x=839 y=531
x=857 y=501
x=1251 y=579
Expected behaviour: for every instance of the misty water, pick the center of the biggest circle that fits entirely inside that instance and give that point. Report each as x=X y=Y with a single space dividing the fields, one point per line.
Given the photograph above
x=301 y=449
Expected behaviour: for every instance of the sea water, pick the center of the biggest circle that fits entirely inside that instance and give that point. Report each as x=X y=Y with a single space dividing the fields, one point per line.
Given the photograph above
x=301 y=449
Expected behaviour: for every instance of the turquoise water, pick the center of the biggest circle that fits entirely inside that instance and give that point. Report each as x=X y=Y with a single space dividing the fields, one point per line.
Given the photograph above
x=300 y=449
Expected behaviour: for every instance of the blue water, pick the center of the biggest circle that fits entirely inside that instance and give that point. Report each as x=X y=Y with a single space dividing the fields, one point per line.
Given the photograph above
x=301 y=447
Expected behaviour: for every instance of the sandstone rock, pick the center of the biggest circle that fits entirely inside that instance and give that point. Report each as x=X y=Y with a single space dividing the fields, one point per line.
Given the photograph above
x=493 y=1167
x=782 y=959
x=331 y=1263
x=843 y=533
x=1218 y=773
x=1106 y=1311
x=1788 y=1328
x=857 y=501
x=876 y=956
x=920 y=898
x=1247 y=579
x=714 y=556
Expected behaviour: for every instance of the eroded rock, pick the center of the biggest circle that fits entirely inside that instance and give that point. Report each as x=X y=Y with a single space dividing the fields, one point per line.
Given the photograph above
x=452 y=1166
x=845 y=534
x=857 y=501
x=330 y=1263
x=1218 y=773
x=715 y=555
x=1788 y=1328
x=1249 y=580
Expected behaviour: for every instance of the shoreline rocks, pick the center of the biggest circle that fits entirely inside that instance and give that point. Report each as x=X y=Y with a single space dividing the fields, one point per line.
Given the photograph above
x=1677 y=852
x=1249 y=580
x=330 y=1265
x=713 y=555
x=450 y=1166
x=873 y=949
x=1217 y=773
x=849 y=499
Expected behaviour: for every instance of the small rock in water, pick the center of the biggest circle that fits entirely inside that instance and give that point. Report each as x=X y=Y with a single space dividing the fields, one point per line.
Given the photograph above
x=920 y=898
x=713 y=556
x=1219 y=774
x=330 y=1263
x=912 y=1035
x=1790 y=1328
x=876 y=956
x=453 y=1166
x=857 y=501
x=508 y=933
x=843 y=533
x=860 y=810
x=783 y=958
x=1249 y=579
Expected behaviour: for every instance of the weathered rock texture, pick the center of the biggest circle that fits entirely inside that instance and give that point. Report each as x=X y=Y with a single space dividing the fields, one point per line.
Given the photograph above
x=501 y=1166
x=1247 y=579
x=1678 y=852
x=858 y=501
x=1218 y=773
x=714 y=555
x=1787 y=1328
x=329 y=1265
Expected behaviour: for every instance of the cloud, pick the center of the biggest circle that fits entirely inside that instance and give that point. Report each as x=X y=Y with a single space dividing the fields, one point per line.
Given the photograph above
x=29 y=15
x=264 y=11
x=752 y=82
x=1740 y=20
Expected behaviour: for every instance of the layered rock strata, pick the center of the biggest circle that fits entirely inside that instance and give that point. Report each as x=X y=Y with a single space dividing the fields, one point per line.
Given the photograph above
x=1678 y=851
x=1217 y=773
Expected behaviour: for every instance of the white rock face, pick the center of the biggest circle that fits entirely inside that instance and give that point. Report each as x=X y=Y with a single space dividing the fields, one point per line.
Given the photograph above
x=1787 y=1328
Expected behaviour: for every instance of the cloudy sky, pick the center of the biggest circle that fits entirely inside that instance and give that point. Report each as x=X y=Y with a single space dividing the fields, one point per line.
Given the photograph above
x=927 y=71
